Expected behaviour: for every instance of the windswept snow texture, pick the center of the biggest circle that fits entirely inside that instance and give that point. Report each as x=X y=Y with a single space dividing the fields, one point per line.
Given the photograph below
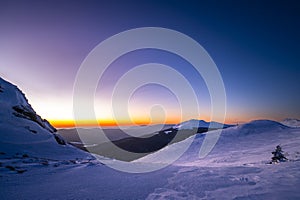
x=291 y=122
x=238 y=167
x=34 y=166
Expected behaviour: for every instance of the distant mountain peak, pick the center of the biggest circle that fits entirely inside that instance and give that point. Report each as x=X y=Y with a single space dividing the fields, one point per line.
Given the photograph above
x=195 y=123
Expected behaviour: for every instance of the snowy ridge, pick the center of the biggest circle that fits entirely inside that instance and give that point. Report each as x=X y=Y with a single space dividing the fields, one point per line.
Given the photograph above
x=291 y=122
x=24 y=131
x=260 y=126
x=266 y=134
x=12 y=98
x=194 y=123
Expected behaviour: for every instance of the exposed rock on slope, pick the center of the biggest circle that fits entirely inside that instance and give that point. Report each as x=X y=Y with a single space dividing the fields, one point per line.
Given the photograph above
x=23 y=130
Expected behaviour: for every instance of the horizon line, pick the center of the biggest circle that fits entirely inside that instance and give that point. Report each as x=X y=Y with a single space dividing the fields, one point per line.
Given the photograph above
x=70 y=123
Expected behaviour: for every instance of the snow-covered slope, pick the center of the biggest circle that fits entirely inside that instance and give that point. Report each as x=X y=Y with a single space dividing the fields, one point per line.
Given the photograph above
x=239 y=145
x=22 y=131
x=291 y=122
x=237 y=168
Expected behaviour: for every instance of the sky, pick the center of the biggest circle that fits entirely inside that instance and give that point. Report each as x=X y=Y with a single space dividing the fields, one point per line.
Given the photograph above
x=254 y=44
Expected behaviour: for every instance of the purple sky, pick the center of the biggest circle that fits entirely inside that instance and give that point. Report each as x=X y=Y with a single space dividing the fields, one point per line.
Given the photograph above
x=254 y=44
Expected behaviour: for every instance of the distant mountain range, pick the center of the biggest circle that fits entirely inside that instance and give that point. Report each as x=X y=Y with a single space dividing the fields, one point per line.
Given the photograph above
x=141 y=145
x=194 y=123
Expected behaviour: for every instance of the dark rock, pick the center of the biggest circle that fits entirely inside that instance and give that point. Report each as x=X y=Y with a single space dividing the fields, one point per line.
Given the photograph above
x=59 y=139
x=10 y=167
x=44 y=162
x=27 y=112
x=25 y=156
x=21 y=171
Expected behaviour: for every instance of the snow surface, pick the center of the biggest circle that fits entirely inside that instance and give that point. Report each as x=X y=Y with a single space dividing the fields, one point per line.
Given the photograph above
x=291 y=122
x=35 y=166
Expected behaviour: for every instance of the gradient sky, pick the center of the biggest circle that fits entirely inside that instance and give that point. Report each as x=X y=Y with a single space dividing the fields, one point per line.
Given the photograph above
x=255 y=45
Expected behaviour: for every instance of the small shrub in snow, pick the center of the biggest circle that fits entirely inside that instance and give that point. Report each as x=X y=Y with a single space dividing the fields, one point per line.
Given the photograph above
x=278 y=155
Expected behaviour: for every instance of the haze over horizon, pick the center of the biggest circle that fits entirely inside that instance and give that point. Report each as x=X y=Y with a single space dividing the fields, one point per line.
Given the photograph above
x=255 y=46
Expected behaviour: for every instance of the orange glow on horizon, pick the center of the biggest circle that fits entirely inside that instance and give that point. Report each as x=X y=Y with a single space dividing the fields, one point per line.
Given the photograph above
x=92 y=123
x=70 y=123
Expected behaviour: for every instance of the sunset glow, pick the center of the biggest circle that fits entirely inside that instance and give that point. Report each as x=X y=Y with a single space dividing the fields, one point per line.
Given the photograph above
x=93 y=123
x=42 y=50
